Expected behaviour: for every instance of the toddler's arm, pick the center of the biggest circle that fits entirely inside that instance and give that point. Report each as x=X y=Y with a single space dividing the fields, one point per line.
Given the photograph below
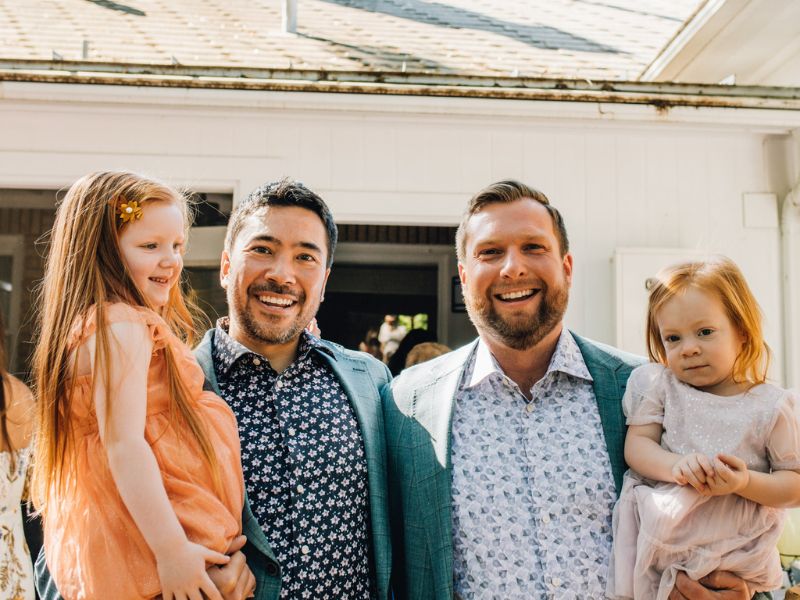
x=181 y=563
x=644 y=454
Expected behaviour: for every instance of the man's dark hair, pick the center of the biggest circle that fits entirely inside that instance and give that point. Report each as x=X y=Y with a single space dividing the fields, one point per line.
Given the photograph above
x=505 y=192
x=285 y=192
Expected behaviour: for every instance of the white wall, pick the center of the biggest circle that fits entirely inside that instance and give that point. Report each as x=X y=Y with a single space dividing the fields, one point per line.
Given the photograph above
x=622 y=176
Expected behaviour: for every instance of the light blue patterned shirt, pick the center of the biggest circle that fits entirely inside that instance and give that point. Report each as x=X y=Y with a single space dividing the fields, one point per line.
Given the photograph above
x=533 y=490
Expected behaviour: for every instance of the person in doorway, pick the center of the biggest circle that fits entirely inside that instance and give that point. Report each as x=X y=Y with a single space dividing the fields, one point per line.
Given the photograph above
x=390 y=335
x=505 y=456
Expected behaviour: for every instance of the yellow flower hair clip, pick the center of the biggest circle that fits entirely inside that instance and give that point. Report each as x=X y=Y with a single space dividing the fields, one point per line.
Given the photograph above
x=130 y=211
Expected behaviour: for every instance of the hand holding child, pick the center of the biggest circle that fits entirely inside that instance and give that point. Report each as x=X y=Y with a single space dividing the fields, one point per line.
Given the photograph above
x=183 y=572
x=694 y=469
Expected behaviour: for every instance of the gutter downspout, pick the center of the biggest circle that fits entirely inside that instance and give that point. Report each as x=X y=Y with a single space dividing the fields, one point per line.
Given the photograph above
x=790 y=251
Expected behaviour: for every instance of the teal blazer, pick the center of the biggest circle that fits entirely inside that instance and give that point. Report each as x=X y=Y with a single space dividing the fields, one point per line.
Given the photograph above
x=418 y=410
x=362 y=378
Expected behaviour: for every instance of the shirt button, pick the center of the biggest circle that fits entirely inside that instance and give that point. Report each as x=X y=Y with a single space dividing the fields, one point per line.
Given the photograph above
x=290 y=431
x=546 y=519
x=305 y=549
x=529 y=407
x=300 y=489
x=256 y=361
x=556 y=582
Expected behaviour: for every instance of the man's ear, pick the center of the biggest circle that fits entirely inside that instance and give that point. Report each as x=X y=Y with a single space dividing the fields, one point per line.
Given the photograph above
x=224 y=269
x=324 y=283
x=568 y=267
x=462 y=275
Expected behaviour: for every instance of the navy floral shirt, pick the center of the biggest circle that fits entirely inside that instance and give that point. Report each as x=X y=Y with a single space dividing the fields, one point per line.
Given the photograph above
x=304 y=466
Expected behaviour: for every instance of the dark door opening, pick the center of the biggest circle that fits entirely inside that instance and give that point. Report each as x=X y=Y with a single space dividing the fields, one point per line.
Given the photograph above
x=358 y=297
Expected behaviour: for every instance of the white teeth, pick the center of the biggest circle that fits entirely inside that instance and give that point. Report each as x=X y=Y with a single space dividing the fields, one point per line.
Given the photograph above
x=275 y=301
x=158 y=279
x=515 y=295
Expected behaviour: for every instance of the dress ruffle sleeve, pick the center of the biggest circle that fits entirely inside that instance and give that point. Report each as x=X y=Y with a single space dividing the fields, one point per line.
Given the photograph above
x=643 y=402
x=783 y=442
x=119 y=312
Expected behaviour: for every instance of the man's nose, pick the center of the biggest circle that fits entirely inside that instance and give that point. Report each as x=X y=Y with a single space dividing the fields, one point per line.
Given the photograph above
x=281 y=270
x=513 y=264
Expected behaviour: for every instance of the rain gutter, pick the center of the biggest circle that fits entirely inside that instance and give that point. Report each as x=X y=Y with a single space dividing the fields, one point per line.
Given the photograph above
x=660 y=95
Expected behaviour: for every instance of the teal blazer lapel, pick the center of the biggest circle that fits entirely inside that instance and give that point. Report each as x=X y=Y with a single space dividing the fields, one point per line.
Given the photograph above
x=432 y=410
x=359 y=385
x=610 y=373
x=250 y=527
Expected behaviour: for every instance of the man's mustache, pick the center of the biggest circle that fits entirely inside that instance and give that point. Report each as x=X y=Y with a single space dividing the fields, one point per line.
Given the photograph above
x=275 y=288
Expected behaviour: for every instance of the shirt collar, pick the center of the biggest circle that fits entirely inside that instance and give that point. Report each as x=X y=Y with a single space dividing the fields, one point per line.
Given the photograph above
x=227 y=351
x=567 y=359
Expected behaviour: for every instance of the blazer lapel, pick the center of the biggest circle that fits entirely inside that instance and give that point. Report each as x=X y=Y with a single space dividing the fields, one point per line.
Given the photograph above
x=433 y=412
x=610 y=377
x=360 y=388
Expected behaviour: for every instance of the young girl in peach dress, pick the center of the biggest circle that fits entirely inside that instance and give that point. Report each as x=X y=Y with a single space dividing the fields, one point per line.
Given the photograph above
x=137 y=470
x=714 y=451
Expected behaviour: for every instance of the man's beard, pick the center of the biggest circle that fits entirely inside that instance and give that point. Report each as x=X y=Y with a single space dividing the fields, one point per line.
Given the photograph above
x=260 y=329
x=524 y=332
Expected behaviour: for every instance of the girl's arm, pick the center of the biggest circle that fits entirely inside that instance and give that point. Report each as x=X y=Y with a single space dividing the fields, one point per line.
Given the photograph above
x=779 y=489
x=181 y=563
x=644 y=454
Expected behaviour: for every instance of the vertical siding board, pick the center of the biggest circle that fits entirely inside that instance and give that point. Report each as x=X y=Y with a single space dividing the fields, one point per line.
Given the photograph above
x=631 y=206
x=570 y=198
x=601 y=218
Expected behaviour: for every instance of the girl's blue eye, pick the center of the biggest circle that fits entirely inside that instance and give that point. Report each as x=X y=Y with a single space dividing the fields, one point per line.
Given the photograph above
x=671 y=338
x=706 y=331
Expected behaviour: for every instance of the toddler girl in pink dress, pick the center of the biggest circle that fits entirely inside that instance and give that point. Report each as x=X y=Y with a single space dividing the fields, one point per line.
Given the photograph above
x=714 y=451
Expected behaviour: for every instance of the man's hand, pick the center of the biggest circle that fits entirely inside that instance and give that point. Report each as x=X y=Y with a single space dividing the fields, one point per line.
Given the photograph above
x=693 y=469
x=234 y=580
x=719 y=585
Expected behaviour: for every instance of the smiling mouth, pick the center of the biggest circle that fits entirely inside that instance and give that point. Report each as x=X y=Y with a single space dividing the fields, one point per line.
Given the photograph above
x=274 y=301
x=159 y=280
x=516 y=295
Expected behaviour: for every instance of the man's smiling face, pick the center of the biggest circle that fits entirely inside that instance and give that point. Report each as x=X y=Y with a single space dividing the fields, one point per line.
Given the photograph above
x=275 y=275
x=515 y=280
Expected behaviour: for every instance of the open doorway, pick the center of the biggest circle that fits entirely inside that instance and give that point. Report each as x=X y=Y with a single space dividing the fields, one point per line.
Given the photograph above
x=359 y=295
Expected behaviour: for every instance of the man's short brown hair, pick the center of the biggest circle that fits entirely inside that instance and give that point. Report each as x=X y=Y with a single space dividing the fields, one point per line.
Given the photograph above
x=505 y=192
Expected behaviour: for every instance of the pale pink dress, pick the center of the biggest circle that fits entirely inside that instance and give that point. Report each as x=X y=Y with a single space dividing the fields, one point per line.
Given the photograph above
x=663 y=528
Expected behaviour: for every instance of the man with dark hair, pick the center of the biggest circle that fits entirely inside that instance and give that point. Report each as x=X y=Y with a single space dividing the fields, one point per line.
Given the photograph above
x=505 y=456
x=308 y=410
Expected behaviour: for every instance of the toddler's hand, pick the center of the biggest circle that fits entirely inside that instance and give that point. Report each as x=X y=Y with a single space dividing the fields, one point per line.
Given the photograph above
x=693 y=469
x=730 y=475
x=182 y=572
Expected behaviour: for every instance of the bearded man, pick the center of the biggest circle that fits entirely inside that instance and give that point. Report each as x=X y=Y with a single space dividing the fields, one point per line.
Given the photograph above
x=505 y=456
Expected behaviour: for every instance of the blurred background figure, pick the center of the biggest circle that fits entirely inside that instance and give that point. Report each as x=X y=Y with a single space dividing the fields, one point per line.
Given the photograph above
x=397 y=361
x=390 y=335
x=373 y=347
x=16 y=420
x=424 y=352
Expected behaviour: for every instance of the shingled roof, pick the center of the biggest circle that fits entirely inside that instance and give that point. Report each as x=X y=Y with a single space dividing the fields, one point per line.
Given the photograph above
x=571 y=39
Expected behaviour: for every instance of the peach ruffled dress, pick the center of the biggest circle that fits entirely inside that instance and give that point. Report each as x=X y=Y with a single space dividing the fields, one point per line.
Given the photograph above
x=662 y=528
x=93 y=547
